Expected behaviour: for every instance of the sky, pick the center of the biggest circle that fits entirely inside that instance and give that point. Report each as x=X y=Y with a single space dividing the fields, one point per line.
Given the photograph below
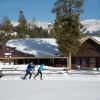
x=91 y=10
x=42 y=9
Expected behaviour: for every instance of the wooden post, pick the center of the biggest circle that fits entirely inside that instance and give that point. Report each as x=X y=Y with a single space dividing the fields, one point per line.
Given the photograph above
x=67 y=65
x=53 y=62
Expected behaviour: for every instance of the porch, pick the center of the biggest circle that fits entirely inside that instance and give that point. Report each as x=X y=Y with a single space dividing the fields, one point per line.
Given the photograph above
x=49 y=61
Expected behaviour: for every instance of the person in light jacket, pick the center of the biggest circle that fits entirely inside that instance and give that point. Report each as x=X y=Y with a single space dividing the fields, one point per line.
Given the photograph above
x=40 y=69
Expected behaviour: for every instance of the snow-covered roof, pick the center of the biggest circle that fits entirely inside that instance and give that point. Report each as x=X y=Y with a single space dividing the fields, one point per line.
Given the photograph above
x=35 y=46
x=94 y=38
x=41 y=46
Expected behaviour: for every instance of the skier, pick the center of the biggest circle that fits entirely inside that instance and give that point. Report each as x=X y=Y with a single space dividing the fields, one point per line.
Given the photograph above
x=40 y=71
x=29 y=70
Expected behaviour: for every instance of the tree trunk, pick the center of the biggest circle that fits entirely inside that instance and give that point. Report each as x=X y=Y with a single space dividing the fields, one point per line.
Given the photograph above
x=69 y=61
x=67 y=68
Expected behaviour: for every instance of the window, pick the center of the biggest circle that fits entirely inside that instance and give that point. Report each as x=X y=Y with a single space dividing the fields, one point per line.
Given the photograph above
x=92 y=60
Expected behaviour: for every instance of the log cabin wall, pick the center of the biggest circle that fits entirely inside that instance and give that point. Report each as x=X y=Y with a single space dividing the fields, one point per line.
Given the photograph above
x=88 y=55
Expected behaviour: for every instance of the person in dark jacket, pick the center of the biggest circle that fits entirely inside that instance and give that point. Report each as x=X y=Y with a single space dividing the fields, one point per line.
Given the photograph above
x=40 y=71
x=29 y=70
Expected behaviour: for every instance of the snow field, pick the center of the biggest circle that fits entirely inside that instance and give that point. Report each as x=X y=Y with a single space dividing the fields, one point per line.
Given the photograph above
x=49 y=90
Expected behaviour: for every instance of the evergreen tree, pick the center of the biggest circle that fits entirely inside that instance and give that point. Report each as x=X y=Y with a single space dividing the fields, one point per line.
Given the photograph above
x=2 y=38
x=6 y=28
x=6 y=24
x=22 y=28
x=22 y=19
x=67 y=26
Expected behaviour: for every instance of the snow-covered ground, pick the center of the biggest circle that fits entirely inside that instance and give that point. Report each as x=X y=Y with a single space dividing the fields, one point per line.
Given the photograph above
x=56 y=84
x=49 y=90
x=56 y=75
x=50 y=73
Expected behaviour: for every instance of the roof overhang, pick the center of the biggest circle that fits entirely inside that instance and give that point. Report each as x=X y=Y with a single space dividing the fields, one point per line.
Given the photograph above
x=90 y=37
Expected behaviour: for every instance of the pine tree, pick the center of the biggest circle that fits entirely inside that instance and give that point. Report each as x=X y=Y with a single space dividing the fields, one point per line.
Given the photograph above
x=6 y=24
x=22 y=19
x=22 y=28
x=6 y=28
x=67 y=26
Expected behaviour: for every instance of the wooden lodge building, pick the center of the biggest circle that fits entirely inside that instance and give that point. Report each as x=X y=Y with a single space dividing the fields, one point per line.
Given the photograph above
x=87 y=57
